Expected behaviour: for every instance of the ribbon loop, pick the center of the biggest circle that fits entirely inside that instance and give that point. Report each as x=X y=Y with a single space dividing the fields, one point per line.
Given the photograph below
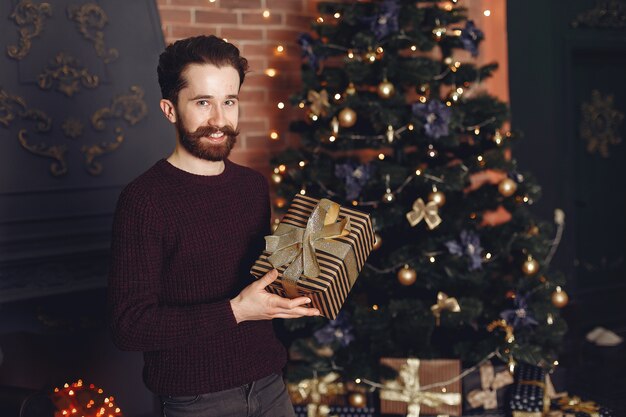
x=444 y=303
x=490 y=383
x=424 y=211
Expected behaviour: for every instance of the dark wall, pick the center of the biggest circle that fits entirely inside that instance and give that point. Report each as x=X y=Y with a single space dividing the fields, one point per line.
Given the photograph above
x=560 y=53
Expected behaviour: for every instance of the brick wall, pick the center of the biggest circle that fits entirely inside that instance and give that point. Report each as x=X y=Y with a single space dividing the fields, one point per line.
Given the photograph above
x=243 y=23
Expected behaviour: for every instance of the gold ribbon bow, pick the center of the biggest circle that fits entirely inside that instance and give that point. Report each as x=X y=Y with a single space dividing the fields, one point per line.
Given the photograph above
x=313 y=389
x=407 y=389
x=428 y=212
x=490 y=382
x=296 y=247
x=319 y=102
x=444 y=303
x=575 y=404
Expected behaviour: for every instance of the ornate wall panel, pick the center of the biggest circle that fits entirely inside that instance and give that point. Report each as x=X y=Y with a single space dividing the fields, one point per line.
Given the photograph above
x=79 y=118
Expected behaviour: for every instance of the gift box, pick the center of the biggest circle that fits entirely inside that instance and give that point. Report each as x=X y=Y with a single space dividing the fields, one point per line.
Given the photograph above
x=486 y=388
x=318 y=248
x=423 y=387
x=334 y=411
x=529 y=394
x=326 y=390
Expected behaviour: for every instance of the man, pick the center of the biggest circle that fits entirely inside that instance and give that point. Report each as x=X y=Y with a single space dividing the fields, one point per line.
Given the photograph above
x=185 y=235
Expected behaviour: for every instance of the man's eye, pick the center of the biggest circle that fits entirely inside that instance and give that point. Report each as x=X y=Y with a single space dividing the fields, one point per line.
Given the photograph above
x=203 y=102
x=230 y=102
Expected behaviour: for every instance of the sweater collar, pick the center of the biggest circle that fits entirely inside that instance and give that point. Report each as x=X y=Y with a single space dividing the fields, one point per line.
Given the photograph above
x=184 y=176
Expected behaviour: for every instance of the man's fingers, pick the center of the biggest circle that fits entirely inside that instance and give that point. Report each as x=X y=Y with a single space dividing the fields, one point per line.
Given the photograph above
x=296 y=312
x=268 y=278
x=280 y=302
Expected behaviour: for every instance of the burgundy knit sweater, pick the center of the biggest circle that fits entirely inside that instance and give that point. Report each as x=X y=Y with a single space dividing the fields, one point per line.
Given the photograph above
x=182 y=247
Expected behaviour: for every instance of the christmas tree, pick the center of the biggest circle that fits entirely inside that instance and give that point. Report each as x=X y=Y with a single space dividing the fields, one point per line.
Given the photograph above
x=394 y=125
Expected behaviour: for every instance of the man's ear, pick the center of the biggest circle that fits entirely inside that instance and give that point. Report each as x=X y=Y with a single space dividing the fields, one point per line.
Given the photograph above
x=168 y=109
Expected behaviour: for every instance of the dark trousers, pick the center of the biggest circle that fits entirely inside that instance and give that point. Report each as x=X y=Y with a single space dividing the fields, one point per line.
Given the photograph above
x=266 y=397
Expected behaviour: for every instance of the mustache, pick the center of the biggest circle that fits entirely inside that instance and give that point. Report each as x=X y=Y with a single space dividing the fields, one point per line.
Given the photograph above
x=204 y=131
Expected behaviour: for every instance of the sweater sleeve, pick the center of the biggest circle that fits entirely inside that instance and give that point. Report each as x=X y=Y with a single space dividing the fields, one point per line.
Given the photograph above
x=138 y=320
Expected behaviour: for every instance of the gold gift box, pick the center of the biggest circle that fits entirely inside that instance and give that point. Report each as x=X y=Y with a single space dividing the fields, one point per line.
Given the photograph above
x=318 y=248
x=414 y=374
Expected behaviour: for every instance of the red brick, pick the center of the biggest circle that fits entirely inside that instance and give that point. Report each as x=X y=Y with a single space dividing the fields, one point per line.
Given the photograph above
x=252 y=96
x=275 y=18
x=262 y=142
x=234 y=35
x=198 y=3
x=253 y=126
x=284 y=35
x=179 y=32
x=175 y=15
x=290 y=5
x=250 y=158
x=263 y=50
x=302 y=22
x=240 y=4
x=216 y=17
x=253 y=111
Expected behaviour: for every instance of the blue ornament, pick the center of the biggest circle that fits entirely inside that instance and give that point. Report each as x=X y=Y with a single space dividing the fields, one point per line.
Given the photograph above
x=307 y=43
x=436 y=117
x=339 y=330
x=468 y=245
x=470 y=36
x=354 y=176
x=385 y=21
x=519 y=316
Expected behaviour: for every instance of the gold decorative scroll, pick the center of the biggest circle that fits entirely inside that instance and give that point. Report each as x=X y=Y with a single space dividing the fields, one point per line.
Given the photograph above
x=600 y=124
x=131 y=107
x=93 y=151
x=606 y=14
x=444 y=303
x=30 y=19
x=427 y=212
x=10 y=107
x=90 y=20
x=407 y=389
x=72 y=128
x=68 y=73
x=297 y=246
x=56 y=152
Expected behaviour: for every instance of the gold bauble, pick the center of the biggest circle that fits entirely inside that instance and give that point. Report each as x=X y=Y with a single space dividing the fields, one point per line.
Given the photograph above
x=370 y=57
x=351 y=89
x=407 y=275
x=378 y=241
x=438 y=197
x=530 y=266
x=357 y=400
x=559 y=298
x=386 y=89
x=507 y=187
x=347 y=117
x=276 y=178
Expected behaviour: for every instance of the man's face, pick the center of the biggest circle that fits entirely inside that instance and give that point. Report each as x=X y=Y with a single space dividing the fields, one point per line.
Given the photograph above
x=207 y=111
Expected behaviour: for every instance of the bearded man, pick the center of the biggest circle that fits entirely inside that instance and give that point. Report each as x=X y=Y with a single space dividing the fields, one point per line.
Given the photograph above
x=185 y=235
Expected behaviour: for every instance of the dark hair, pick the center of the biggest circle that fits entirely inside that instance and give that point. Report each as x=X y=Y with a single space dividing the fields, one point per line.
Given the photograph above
x=196 y=50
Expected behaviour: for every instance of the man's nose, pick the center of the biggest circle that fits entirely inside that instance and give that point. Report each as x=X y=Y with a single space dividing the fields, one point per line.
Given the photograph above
x=217 y=117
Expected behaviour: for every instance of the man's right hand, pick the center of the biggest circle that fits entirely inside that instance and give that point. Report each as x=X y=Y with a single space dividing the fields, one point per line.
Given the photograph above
x=255 y=303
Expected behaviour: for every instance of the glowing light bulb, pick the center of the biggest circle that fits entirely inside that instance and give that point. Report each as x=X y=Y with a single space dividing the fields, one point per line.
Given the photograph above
x=280 y=105
x=274 y=135
x=271 y=72
x=487 y=12
x=266 y=13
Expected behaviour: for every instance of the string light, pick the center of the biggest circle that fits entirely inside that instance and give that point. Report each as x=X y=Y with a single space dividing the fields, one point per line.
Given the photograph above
x=375 y=307
x=301 y=164
x=280 y=49
x=274 y=135
x=337 y=96
x=320 y=19
x=271 y=72
x=350 y=54
x=280 y=105
x=282 y=168
x=266 y=13
x=332 y=138
x=301 y=104
x=432 y=259
x=337 y=15
x=487 y=12
x=381 y=156
x=413 y=48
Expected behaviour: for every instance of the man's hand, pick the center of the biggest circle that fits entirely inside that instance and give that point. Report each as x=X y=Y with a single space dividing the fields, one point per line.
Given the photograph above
x=254 y=303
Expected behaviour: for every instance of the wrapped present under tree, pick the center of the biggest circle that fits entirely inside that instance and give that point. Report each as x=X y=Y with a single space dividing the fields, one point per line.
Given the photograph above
x=486 y=387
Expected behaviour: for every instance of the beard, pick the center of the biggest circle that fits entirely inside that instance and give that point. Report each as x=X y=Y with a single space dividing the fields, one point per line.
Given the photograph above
x=193 y=143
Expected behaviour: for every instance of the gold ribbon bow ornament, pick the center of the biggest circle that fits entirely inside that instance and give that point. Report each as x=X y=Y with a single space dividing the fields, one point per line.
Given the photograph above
x=319 y=102
x=313 y=389
x=407 y=389
x=444 y=303
x=424 y=211
x=490 y=383
x=575 y=404
x=297 y=246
